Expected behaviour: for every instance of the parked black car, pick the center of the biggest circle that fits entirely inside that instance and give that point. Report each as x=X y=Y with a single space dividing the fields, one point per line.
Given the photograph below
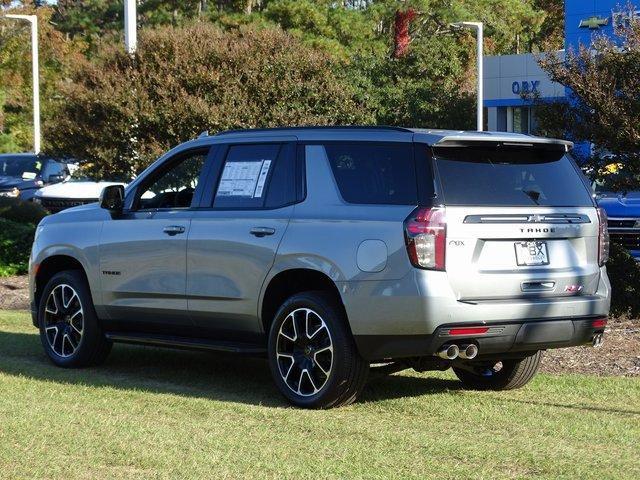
x=22 y=174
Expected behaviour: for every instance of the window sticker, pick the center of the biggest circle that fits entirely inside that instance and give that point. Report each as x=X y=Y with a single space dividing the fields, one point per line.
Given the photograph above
x=262 y=178
x=243 y=179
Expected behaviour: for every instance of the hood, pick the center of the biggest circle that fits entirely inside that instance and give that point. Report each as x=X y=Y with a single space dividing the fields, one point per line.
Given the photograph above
x=618 y=205
x=7 y=183
x=79 y=190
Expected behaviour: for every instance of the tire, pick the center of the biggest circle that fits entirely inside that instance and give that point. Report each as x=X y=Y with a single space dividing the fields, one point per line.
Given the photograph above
x=69 y=329
x=513 y=374
x=310 y=333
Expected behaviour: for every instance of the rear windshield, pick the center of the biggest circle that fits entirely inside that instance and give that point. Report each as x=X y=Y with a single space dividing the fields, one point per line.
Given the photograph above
x=507 y=176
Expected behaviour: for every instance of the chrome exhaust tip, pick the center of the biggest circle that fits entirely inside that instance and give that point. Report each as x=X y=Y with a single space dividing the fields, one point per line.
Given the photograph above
x=449 y=352
x=597 y=340
x=468 y=352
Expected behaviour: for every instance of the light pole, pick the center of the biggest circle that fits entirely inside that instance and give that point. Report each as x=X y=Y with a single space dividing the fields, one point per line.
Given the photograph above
x=478 y=27
x=33 y=20
x=130 y=27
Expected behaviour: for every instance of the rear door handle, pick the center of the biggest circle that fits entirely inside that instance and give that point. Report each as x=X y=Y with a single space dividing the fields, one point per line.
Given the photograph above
x=172 y=230
x=262 y=231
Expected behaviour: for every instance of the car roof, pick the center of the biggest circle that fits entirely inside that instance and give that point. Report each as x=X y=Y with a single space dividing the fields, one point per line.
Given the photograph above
x=18 y=155
x=434 y=137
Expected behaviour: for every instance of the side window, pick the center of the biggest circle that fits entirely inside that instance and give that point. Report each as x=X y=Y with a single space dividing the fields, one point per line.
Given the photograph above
x=53 y=168
x=173 y=187
x=374 y=173
x=256 y=176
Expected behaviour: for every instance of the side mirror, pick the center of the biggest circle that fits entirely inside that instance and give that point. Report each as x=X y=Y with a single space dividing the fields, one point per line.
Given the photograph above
x=55 y=178
x=112 y=198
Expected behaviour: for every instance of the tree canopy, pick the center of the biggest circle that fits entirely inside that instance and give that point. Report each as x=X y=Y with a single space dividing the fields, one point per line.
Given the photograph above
x=603 y=106
x=119 y=112
x=430 y=81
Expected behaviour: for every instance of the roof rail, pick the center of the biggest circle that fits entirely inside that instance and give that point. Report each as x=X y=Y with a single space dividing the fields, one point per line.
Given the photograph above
x=319 y=127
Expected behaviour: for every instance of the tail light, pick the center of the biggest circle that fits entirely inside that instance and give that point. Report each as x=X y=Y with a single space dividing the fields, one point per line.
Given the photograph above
x=603 y=237
x=425 y=232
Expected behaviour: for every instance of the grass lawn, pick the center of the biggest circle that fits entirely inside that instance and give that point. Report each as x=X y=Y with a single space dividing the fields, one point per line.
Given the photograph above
x=151 y=413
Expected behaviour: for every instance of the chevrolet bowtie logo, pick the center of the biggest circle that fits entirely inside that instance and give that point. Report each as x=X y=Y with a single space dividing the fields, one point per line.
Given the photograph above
x=594 y=23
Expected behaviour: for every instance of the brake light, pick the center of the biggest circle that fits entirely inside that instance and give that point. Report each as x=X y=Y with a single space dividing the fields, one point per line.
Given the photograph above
x=603 y=237
x=599 y=323
x=425 y=235
x=469 y=331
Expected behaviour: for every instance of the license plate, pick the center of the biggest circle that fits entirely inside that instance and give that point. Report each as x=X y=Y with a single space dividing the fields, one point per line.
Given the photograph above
x=531 y=253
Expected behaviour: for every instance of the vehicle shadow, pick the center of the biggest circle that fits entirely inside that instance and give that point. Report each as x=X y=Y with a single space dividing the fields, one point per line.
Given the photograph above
x=573 y=407
x=219 y=377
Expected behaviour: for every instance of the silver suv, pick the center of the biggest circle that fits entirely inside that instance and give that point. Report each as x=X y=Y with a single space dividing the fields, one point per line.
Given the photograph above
x=330 y=250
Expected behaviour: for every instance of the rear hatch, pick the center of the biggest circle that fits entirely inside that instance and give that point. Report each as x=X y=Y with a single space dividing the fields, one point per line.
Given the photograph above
x=520 y=222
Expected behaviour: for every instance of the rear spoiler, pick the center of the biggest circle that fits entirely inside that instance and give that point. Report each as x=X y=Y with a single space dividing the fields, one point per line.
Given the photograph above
x=493 y=140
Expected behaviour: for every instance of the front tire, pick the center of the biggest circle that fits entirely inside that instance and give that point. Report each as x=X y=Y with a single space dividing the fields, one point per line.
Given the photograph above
x=69 y=329
x=504 y=375
x=312 y=355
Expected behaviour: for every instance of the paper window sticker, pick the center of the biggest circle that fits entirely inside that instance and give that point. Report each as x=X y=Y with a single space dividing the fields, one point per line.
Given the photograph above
x=262 y=178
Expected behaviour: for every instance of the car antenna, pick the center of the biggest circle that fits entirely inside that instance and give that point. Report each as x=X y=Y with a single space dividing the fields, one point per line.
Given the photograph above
x=204 y=134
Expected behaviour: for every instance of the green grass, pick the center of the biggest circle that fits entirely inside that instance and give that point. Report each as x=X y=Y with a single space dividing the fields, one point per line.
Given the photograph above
x=151 y=413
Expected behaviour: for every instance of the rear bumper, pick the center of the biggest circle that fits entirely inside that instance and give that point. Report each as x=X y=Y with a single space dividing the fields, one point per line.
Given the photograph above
x=500 y=339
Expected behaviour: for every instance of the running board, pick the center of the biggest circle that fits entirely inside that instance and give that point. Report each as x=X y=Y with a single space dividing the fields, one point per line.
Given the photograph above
x=186 y=343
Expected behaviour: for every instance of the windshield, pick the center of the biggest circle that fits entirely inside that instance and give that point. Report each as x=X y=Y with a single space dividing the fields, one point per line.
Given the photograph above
x=510 y=176
x=18 y=166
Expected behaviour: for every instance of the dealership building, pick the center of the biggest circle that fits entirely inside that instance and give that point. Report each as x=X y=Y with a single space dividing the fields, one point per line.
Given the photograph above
x=507 y=77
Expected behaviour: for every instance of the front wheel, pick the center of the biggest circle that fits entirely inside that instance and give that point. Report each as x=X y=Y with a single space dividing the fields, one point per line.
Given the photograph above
x=312 y=355
x=501 y=375
x=69 y=328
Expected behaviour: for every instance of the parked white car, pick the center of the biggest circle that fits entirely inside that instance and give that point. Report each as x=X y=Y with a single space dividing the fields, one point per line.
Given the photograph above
x=70 y=193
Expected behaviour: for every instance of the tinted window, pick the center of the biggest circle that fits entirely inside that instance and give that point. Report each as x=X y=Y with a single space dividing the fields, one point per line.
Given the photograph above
x=19 y=165
x=374 y=173
x=256 y=176
x=509 y=177
x=174 y=188
x=54 y=168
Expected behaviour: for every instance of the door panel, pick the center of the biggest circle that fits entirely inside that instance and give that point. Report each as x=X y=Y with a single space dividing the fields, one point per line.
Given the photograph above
x=227 y=264
x=233 y=239
x=143 y=252
x=143 y=268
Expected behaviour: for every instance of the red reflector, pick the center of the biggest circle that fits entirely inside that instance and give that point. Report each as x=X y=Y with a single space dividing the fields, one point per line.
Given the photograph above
x=469 y=331
x=599 y=323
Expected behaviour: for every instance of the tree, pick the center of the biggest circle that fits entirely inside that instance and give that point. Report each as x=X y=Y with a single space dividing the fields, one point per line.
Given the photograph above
x=603 y=106
x=184 y=80
x=56 y=57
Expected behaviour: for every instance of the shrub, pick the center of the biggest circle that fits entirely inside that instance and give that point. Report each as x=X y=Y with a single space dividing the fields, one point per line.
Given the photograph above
x=119 y=113
x=624 y=274
x=21 y=212
x=15 y=247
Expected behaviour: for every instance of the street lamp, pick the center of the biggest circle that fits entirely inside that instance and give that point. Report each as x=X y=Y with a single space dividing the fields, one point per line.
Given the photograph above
x=33 y=20
x=130 y=27
x=478 y=27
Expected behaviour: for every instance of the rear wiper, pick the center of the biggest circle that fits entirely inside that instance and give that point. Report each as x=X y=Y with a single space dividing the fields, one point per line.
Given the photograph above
x=533 y=195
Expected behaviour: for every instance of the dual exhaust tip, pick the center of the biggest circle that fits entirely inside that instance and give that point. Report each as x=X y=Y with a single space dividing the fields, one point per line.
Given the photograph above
x=453 y=351
x=597 y=340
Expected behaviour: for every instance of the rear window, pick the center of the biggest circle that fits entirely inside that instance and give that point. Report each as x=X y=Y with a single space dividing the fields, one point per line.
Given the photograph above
x=372 y=173
x=505 y=176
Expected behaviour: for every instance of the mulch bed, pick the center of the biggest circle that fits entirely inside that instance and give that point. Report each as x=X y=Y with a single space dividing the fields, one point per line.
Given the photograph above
x=14 y=293
x=619 y=355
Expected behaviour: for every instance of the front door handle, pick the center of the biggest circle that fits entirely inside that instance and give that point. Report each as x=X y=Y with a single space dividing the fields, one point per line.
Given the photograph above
x=262 y=231
x=172 y=230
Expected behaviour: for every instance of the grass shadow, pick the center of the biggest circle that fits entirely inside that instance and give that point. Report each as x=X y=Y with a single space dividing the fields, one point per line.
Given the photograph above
x=222 y=377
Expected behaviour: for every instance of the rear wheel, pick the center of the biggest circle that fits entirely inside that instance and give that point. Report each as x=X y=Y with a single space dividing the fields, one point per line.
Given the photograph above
x=501 y=375
x=312 y=355
x=69 y=328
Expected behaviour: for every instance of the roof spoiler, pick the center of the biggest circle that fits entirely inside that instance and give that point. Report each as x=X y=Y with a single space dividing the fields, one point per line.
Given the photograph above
x=503 y=141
